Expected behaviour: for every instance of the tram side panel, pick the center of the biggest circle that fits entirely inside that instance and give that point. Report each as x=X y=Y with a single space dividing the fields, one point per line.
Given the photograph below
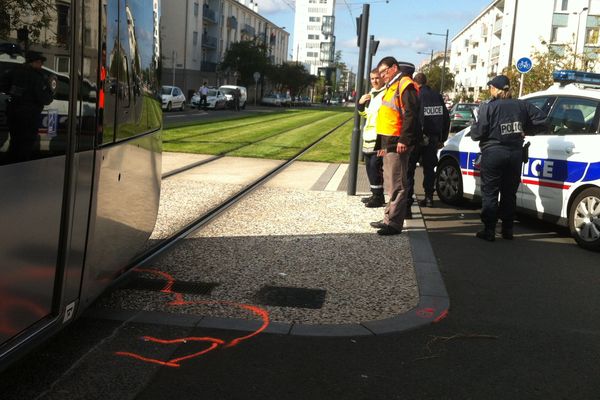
x=128 y=163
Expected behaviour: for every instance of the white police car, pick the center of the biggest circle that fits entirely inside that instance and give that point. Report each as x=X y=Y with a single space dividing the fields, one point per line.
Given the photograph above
x=561 y=180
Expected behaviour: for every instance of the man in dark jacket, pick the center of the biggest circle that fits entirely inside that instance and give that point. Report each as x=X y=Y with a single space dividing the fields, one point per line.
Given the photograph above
x=500 y=128
x=29 y=92
x=435 y=122
x=398 y=131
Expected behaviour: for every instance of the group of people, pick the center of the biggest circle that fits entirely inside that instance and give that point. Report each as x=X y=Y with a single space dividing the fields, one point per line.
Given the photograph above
x=407 y=122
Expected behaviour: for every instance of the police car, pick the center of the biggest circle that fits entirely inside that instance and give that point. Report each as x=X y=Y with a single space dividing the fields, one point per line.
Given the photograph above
x=561 y=180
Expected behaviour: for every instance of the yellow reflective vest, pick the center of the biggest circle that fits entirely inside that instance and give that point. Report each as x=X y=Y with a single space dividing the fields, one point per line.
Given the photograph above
x=391 y=112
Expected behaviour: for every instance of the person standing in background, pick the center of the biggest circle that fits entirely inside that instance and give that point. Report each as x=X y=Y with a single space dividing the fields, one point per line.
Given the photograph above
x=435 y=122
x=368 y=106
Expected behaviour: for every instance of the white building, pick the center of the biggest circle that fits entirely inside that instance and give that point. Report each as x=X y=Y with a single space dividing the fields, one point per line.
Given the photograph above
x=507 y=30
x=314 y=38
x=196 y=34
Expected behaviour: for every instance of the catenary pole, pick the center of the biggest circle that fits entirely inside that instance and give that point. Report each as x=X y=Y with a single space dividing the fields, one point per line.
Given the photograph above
x=360 y=75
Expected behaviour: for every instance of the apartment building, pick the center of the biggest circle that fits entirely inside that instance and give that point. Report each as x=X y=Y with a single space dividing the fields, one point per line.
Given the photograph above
x=314 y=37
x=196 y=34
x=507 y=30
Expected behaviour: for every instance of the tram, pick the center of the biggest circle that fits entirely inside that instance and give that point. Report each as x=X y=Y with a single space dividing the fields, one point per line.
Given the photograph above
x=81 y=206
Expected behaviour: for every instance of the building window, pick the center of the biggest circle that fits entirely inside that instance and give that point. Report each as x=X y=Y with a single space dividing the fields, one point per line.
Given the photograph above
x=195 y=38
x=591 y=36
x=312 y=54
x=554 y=34
x=313 y=37
x=196 y=9
x=564 y=5
x=314 y=19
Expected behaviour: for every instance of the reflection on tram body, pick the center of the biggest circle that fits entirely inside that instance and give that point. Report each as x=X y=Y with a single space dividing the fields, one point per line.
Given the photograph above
x=75 y=217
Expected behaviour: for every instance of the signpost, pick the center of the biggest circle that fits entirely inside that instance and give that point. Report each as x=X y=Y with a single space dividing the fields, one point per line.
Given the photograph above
x=256 y=76
x=524 y=65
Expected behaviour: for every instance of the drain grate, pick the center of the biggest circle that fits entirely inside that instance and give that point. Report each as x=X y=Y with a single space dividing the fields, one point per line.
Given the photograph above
x=155 y=285
x=291 y=297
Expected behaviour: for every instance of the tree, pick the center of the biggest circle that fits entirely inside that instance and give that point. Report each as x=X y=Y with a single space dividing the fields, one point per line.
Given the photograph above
x=292 y=76
x=27 y=17
x=246 y=58
x=434 y=78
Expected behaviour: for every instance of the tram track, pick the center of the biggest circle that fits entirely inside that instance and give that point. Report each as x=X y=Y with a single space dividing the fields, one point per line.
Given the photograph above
x=247 y=144
x=205 y=218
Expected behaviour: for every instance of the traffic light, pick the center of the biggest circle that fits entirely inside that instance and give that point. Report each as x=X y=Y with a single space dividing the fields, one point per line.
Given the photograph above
x=358 y=29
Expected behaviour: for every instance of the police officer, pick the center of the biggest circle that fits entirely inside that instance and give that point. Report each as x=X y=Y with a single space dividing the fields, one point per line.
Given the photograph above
x=29 y=91
x=501 y=126
x=435 y=122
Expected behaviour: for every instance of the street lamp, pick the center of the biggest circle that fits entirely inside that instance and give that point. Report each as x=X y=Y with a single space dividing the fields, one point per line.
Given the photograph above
x=577 y=33
x=430 y=58
x=445 y=52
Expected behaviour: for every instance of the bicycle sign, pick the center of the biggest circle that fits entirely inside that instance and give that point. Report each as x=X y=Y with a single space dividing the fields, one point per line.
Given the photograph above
x=524 y=65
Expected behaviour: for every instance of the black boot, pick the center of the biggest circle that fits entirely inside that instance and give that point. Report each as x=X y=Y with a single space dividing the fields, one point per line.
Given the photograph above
x=507 y=231
x=426 y=202
x=375 y=201
x=366 y=199
x=487 y=234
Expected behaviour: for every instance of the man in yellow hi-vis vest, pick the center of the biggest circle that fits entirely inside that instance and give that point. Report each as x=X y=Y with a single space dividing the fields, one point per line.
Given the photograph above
x=398 y=131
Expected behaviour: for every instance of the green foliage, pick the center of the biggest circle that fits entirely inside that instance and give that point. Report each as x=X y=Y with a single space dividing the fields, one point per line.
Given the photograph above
x=34 y=15
x=434 y=78
x=292 y=76
x=546 y=61
x=246 y=57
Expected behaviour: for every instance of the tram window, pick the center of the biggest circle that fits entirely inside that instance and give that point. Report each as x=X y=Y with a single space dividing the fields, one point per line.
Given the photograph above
x=131 y=83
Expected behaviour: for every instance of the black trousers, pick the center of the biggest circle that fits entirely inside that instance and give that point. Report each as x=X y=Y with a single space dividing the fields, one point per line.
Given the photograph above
x=428 y=156
x=374 y=167
x=23 y=126
x=500 y=175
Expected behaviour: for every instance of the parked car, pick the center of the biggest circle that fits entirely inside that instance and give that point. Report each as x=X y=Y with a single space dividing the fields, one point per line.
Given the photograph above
x=228 y=91
x=560 y=182
x=215 y=99
x=172 y=97
x=273 y=99
x=462 y=115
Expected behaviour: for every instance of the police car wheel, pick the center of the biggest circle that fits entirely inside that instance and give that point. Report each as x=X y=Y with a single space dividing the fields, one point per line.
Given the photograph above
x=584 y=219
x=169 y=106
x=449 y=185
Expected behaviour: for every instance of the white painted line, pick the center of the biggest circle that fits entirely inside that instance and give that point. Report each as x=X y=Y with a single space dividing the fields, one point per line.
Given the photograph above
x=336 y=179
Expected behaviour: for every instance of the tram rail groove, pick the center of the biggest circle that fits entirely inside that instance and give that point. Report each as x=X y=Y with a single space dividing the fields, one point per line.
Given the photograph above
x=205 y=218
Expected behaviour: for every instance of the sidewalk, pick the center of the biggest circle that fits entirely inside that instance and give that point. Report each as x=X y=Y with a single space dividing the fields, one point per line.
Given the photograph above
x=302 y=250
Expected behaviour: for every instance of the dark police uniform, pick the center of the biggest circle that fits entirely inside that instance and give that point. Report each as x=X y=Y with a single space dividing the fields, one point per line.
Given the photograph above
x=435 y=122
x=500 y=128
x=29 y=91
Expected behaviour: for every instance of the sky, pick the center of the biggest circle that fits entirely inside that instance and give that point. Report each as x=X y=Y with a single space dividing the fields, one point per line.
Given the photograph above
x=401 y=26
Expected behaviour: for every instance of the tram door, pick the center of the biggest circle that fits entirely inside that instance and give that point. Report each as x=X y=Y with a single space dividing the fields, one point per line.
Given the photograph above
x=32 y=162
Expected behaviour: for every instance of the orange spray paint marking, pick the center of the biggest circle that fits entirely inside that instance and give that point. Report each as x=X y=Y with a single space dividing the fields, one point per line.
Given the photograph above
x=215 y=342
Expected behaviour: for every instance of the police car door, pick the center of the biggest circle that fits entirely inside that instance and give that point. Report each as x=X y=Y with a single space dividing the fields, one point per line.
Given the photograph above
x=558 y=159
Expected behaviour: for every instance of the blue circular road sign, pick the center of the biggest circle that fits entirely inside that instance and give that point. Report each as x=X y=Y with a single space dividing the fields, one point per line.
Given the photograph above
x=524 y=65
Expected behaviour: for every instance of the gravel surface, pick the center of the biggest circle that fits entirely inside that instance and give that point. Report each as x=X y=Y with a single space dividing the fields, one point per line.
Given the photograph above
x=280 y=237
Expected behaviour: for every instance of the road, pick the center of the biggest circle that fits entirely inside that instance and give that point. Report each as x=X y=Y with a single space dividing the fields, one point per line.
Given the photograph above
x=523 y=324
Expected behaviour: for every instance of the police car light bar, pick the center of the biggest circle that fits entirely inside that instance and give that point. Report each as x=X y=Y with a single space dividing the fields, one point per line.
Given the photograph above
x=564 y=77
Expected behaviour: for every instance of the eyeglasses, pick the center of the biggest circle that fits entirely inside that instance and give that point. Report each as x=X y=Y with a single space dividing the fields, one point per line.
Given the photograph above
x=384 y=71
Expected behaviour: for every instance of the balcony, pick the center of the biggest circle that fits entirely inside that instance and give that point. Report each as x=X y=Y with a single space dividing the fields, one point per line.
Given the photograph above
x=232 y=23
x=473 y=59
x=327 y=51
x=209 y=42
x=327 y=25
x=209 y=15
x=248 y=30
x=498 y=27
x=495 y=53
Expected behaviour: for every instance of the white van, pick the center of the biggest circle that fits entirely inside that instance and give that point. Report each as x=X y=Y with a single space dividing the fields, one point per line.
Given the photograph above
x=227 y=90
